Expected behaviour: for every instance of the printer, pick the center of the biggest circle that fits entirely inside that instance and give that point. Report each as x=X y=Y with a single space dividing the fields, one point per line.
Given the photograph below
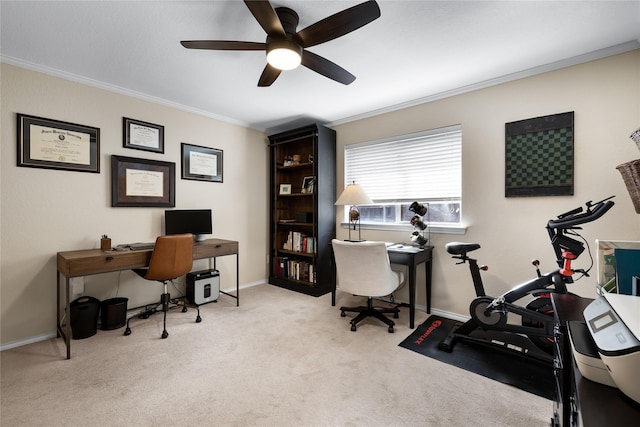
x=607 y=346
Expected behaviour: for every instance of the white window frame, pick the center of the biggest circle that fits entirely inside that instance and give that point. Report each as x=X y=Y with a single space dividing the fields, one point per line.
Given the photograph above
x=409 y=159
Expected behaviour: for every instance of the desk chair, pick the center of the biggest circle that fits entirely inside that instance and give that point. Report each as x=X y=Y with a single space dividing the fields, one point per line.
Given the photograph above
x=363 y=268
x=171 y=258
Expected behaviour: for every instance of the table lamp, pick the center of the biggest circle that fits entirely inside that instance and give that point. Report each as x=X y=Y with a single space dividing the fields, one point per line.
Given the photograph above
x=353 y=195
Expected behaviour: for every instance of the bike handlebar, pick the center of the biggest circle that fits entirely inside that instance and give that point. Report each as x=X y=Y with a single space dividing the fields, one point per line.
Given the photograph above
x=575 y=217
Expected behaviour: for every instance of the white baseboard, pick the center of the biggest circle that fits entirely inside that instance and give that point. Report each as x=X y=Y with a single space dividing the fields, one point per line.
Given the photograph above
x=29 y=340
x=449 y=315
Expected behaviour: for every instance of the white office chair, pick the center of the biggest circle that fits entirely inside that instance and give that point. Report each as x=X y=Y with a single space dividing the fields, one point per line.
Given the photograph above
x=363 y=268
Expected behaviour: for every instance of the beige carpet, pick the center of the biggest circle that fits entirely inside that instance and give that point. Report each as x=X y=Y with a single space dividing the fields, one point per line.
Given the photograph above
x=280 y=359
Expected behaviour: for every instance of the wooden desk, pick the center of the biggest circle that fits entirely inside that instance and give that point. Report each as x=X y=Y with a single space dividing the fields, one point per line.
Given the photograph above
x=96 y=261
x=411 y=257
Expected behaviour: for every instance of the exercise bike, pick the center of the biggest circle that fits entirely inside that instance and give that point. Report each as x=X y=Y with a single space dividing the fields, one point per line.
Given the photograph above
x=490 y=314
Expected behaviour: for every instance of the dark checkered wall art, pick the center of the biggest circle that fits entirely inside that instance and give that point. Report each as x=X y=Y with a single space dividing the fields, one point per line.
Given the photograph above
x=539 y=156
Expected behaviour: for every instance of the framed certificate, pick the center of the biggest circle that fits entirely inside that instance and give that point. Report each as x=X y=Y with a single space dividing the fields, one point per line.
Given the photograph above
x=201 y=163
x=142 y=135
x=53 y=144
x=142 y=183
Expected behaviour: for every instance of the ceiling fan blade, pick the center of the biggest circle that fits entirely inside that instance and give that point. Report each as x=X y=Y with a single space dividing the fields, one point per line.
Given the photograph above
x=222 y=45
x=327 y=68
x=269 y=75
x=266 y=17
x=339 y=24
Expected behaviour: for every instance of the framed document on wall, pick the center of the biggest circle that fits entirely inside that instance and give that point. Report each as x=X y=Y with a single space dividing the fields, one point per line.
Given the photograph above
x=141 y=135
x=201 y=163
x=142 y=183
x=53 y=144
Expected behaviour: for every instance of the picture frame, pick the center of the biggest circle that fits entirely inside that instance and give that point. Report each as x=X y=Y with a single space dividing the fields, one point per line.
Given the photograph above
x=201 y=163
x=539 y=157
x=141 y=135
x=285 y=189
x=308 y=184
x=142 y=182
x=54 y=144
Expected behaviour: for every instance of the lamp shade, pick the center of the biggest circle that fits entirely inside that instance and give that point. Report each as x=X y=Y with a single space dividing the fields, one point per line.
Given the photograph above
x=353 y=194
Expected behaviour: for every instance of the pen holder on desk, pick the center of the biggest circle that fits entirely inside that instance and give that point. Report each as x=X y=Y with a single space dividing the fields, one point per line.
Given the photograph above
x=105 y=244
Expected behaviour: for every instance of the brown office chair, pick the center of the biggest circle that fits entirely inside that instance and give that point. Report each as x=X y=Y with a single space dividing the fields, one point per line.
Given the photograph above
x=363 y=268
x=172 y=257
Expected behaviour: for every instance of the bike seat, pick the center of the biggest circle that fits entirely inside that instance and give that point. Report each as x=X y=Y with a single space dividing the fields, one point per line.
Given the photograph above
x=459 y=248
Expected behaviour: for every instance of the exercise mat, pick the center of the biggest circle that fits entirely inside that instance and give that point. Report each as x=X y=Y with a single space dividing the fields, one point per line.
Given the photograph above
x=509 y=367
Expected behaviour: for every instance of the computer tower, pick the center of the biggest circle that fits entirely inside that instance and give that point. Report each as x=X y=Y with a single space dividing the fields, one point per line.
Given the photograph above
x=203 y=286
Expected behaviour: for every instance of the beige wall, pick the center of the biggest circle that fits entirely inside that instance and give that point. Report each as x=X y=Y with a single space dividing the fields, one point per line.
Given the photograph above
x=605 y=96
x=46 y=211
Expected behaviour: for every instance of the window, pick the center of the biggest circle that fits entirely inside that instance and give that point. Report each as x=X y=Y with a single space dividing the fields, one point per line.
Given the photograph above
x=424 y=167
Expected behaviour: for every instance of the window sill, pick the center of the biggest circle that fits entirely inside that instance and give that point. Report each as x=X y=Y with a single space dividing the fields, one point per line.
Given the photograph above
x=437 y=229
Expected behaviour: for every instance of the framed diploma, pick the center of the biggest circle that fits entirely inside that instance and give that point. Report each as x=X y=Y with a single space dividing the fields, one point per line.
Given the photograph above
x=142 y=135
x=52 y=144
x=142 y=183
x=201 y=163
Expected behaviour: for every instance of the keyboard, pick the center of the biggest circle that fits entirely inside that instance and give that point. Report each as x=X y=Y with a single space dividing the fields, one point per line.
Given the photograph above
x=141 y=246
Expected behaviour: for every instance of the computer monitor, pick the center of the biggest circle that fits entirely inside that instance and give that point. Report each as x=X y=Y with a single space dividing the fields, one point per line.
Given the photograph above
x=195 y=221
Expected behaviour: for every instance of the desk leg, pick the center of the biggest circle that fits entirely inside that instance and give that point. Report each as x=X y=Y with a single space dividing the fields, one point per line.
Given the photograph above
x=237 y=295
x=66 y=333
x=58 y=304
x=427 y=274
x=237 y=280
x=67 y=327
x=334 y=285
x=412 y=294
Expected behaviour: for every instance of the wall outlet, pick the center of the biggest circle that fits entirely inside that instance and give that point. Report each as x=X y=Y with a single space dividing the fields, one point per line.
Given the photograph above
x=77 y=287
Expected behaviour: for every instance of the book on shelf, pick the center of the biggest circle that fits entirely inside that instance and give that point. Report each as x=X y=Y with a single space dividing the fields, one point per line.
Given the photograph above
x=289 y=268
x=299 y=242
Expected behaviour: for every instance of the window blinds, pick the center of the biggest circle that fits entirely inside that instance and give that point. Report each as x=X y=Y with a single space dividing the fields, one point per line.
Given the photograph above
x=424 y=166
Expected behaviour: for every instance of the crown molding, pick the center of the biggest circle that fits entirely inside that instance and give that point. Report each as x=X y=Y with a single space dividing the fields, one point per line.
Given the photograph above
x=553 y=66
x=117 y=89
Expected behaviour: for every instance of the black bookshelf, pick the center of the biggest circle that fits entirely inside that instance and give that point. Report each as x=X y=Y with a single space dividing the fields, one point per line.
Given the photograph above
x=302 y=220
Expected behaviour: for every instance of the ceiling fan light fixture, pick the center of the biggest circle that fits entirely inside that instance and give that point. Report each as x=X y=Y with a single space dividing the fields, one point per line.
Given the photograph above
x=284 y=54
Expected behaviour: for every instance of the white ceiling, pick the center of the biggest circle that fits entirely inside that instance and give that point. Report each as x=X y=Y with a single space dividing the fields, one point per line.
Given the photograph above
x=416 y=51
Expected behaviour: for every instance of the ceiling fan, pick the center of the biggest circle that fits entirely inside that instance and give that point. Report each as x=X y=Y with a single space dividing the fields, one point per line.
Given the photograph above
x=286 y=48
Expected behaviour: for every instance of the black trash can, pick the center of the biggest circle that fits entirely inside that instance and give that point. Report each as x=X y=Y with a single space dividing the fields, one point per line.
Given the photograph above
x=84 y=317
x=113 y=313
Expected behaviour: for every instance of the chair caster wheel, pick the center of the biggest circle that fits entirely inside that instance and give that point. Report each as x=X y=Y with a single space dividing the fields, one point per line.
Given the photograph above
x=127 y=331
x=390 y=329
x=144 y=316
x=165 y=334
x=353 y=328
x=198 y=319
x=396 y=315
x=184 y=309
x=343 y=314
